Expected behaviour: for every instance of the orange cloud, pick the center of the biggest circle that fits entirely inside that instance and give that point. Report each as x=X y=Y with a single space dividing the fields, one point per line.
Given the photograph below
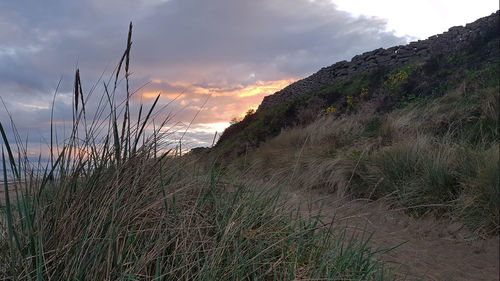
x=242 y=91
x=252 y=107
x=237 y=90
x=263 y=88
x=226 y=100
x=156 y=81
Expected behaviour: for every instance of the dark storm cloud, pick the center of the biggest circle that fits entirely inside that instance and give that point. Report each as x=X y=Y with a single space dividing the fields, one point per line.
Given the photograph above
x=221 y=45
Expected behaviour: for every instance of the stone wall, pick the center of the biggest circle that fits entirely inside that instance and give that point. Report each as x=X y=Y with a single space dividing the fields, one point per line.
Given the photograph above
x=454 y=39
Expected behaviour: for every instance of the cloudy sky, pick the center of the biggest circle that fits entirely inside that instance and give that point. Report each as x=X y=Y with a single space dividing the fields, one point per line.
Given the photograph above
x=223 y=54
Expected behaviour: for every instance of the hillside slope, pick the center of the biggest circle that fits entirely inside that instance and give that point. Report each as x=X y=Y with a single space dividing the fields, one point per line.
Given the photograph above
x=424 y=132
x=406 y=148
x=422 y=69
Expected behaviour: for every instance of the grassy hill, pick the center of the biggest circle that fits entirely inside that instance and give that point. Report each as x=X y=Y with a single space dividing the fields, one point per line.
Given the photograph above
x=425 y=133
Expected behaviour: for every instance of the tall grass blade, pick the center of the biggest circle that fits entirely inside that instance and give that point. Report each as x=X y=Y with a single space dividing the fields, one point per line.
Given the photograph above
x=114 y=125
x=144 y=123
x=10 y=223
x=52 y=123
x=76 y=89
x=50 y=175
x=9 y=151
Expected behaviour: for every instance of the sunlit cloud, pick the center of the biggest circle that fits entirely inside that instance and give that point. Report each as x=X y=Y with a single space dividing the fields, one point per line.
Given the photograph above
x=260 y=88
x=223 y=101
x=149 y=95
x=249 y=109
x=156 y=81
x=146 y=95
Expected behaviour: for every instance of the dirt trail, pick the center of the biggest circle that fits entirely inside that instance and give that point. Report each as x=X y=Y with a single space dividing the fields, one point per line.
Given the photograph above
x=431 y=248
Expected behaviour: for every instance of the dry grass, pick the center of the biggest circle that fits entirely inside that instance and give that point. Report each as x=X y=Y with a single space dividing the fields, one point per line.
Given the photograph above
x=437 y=152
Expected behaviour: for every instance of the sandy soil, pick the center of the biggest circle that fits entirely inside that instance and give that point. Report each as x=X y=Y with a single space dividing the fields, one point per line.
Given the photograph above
x=430 y=248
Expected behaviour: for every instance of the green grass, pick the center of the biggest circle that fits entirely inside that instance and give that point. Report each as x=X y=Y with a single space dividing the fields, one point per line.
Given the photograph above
x=418 y=172
x=111 y=207
x=479 y=202
x=158 y=219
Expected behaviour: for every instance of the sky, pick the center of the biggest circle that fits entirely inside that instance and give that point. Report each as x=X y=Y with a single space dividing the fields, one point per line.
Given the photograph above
x=210 y=61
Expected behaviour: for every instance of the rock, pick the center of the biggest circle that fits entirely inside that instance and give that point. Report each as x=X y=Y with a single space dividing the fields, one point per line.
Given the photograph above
x=454 y=39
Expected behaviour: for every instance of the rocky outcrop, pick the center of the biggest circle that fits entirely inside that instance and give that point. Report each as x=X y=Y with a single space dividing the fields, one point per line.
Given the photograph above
x=454 y=39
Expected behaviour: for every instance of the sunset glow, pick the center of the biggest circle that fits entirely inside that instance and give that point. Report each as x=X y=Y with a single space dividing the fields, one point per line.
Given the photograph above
x=237 y=99
x=263 y=88
x=153 y=95
x=209 y=65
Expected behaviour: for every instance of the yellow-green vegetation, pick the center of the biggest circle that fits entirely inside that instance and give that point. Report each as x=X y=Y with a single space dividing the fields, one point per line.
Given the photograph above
x=353 y=101
x=364 y=93
x=396 y=79
x=350 y=102
x=170 y=219
x=330 y=110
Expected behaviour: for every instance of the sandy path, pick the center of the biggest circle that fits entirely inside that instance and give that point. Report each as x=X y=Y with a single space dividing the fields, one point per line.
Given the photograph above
x=437 y=249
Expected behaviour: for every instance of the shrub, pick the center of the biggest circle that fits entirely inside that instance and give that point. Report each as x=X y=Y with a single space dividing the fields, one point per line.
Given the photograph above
x=395 y=80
